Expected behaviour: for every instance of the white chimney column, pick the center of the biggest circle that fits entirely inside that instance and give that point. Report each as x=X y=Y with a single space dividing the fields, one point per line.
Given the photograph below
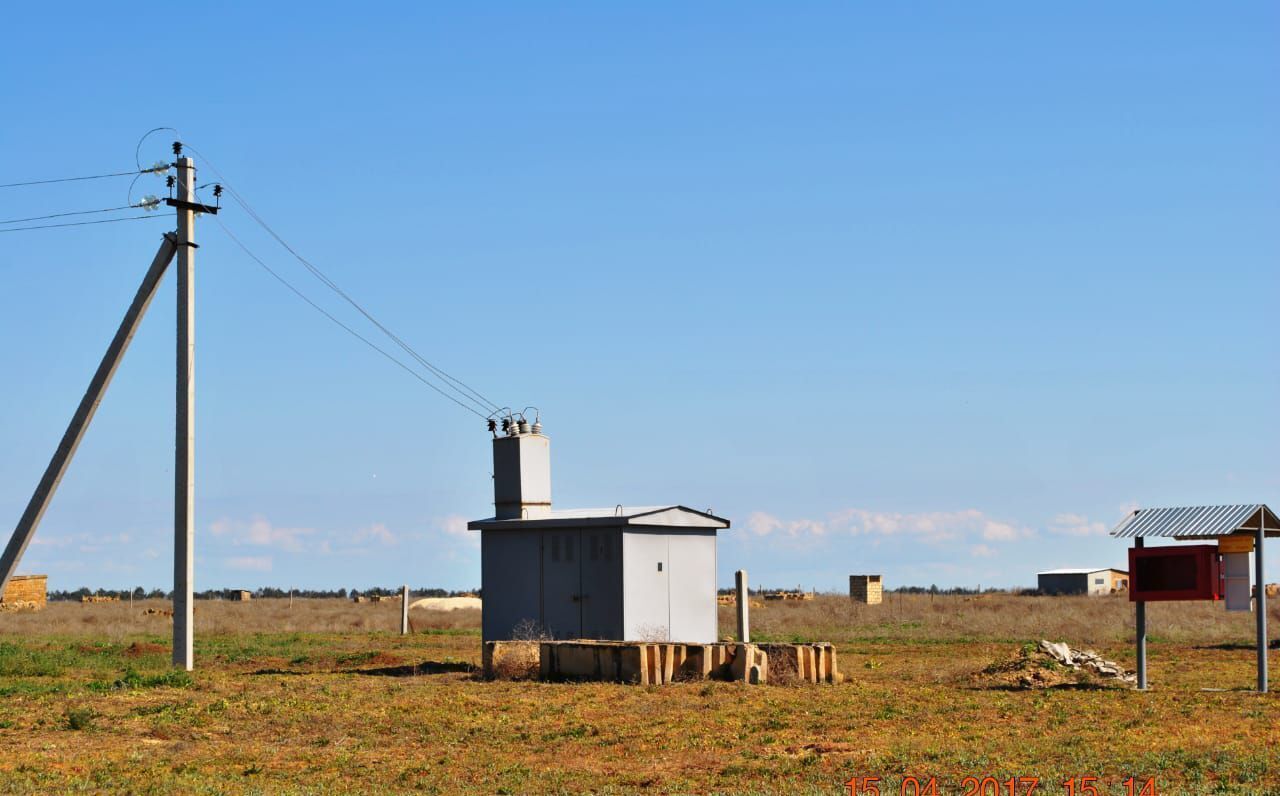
x=521 y=476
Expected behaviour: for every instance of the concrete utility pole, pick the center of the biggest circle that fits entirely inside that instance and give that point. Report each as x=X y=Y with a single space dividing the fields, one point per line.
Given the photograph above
x=84 y=413
x=182 y=244
x=185 y=433
x=744 y=629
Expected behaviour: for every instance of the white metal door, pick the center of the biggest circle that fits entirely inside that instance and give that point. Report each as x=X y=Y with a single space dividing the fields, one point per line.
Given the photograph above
x=693 y=587
x=646 y=600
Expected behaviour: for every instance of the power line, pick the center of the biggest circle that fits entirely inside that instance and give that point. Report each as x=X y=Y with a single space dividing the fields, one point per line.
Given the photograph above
x=137 y=158
x=137 y=150
x=457 y=385
x=81 y=223
x=75 y=179
x=70 y=213
x=339 y=323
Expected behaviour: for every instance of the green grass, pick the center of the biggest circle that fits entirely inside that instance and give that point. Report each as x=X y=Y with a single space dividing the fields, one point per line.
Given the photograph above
x=298 y=712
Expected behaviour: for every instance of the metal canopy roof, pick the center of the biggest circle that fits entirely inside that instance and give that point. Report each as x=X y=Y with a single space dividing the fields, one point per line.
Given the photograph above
x=1079 y=571
x=1198 y=522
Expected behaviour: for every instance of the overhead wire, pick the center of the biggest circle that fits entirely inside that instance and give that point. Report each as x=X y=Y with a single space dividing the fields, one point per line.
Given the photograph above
x=338 y=322
x=457 y=385
x=70 y=213
x=74 y=179
x=466 y=396
x=80 y=223
x=137 y=158
x=137 y=150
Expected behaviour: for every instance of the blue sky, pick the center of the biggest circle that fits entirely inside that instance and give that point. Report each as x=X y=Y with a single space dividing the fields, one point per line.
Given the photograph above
x=938 y=292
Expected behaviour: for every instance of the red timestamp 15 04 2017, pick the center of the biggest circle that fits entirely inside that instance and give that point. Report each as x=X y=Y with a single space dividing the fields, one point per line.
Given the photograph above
x=991 y=786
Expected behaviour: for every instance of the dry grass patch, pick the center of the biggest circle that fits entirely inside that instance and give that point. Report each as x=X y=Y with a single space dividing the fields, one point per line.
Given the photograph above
x=290 y=710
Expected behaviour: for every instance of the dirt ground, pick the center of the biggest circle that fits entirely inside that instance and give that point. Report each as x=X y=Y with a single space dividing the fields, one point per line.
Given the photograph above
x=93 y=707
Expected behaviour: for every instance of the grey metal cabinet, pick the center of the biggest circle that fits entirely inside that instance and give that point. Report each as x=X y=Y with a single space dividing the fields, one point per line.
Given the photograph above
x=629 y=573
x=651 y=584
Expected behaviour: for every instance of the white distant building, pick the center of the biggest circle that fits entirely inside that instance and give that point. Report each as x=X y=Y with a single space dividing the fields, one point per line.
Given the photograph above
x=622 y=573
x=1082 y=580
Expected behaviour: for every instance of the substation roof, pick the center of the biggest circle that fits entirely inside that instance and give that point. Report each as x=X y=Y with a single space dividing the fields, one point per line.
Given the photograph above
x=667 y=516
x=1198 y=522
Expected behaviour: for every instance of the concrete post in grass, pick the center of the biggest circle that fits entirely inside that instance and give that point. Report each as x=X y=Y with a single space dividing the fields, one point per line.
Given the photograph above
x=1140 y=632
x=404 y=610
x=1260 y=607
x=744 y=630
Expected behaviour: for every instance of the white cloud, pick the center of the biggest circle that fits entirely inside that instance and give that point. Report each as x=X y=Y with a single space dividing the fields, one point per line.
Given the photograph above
x=250 y=563
x=762 y=524
x=85 y=542
x=982 y=551
x=1001 y=532
x=931 y=527
x=259 y=532
x=454 y=526
x=1077 y=525
x=376 y=533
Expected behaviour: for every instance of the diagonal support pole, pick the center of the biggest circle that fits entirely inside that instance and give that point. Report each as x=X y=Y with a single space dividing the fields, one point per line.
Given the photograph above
x=84 y=413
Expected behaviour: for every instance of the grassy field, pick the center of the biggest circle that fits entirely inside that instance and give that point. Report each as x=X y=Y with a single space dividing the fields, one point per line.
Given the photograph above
x=325 y=698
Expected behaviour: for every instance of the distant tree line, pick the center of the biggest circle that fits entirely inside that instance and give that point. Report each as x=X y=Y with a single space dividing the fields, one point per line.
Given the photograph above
x=265 y=592
x=933 y=589
x=961 y=590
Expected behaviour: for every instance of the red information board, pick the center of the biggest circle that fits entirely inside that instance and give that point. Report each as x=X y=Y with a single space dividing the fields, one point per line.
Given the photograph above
x=1189 y=572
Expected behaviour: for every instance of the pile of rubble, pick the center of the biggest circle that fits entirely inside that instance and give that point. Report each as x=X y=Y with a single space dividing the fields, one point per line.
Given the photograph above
x=1054 y=664
x=1087 y=659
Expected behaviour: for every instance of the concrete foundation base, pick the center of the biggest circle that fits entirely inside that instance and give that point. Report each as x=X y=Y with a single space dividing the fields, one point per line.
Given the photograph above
x=655 y=663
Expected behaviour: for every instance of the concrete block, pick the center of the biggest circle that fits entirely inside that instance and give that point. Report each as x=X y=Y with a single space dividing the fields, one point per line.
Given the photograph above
x=745 y=658
x=811 y=663
x=511 y=659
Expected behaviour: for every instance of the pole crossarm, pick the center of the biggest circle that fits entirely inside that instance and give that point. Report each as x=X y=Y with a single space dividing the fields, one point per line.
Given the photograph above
x=43 y=495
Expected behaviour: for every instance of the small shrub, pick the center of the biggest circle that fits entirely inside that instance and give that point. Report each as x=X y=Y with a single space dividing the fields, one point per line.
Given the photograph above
x=529 y=630
x=78 y=719
x=132 y=679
